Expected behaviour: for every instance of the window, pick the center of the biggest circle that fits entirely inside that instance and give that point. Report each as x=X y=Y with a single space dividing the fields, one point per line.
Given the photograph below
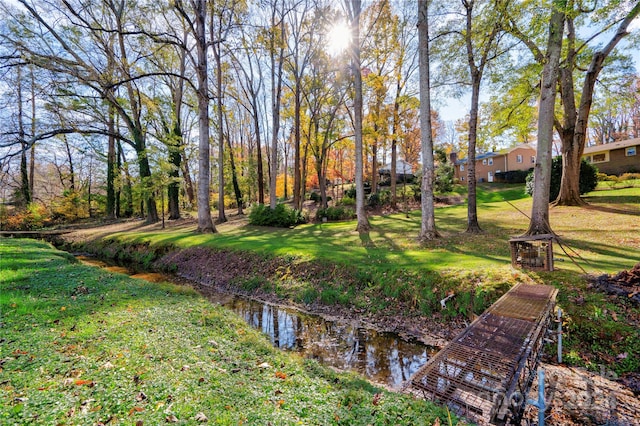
x=462 y=167
x=518 y=158
x=600 y=157
x=491 y=161
x=484 y=162
x=630 y=152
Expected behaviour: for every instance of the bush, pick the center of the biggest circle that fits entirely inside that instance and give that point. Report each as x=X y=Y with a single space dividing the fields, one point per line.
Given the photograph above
x=336 y=213
x=350 y=192
x=588 y=178
x=380 y=198
x=347 y=201
x=443 y=182
x=282 y=216
x=513 y=176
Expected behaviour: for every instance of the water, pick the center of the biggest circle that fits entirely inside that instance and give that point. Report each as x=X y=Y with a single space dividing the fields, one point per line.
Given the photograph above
x=383 y=358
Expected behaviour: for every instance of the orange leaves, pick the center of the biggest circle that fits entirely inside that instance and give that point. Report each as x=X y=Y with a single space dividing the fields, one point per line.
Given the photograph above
x=135 y=410
x=81 y=382
x=281 y=375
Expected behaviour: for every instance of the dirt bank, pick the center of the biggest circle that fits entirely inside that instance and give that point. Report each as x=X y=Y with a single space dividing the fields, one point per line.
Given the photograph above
x=574 y=396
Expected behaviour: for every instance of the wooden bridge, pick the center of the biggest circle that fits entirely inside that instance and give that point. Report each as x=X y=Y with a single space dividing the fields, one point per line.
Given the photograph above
x=484 y=374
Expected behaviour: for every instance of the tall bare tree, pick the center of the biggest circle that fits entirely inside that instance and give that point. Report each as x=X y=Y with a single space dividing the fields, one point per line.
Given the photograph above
x=196 y=19
x=354 y=8
x=539 y=223
x=428 y=224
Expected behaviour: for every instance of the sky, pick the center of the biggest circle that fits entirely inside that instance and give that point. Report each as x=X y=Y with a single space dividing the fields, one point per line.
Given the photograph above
x=455 y=109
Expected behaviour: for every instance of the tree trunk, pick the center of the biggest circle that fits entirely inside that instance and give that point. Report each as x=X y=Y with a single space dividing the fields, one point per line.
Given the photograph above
x=24 y=171
x=205 y=224
x=175 y=159
x=297 y=172
x=363 y=225
x=111 y=165
x=539 y=223
x=221 y=216
x=428 y=225
x=128 y=191
x=573 y=148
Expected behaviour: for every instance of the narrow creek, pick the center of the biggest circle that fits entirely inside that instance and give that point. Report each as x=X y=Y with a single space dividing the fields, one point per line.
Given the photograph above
x=383 y=358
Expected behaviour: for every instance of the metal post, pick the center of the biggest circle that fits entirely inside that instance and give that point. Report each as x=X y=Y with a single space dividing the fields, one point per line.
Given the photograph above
x=559 y=336
x=540 y=402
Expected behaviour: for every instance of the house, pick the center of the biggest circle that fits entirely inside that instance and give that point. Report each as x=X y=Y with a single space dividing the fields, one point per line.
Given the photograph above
x=519 y=157
x=404 y=171
x=615 y=158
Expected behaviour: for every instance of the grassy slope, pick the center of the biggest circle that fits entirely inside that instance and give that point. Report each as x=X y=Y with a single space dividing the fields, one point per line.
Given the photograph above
x=602 y=238
x=602 y=235
x=85 y=346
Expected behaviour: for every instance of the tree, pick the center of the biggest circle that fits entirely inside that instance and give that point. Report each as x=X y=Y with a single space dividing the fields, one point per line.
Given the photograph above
x=539 y=223
x=197 y=26
x=578 y=56
x=428 y=225
x=482 y=38
x=354 y=8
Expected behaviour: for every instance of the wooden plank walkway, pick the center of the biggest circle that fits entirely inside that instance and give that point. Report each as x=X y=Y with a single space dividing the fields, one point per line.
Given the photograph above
x=485 y=373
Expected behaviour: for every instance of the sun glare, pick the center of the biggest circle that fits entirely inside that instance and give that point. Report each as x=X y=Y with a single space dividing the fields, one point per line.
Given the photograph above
x=339 y=38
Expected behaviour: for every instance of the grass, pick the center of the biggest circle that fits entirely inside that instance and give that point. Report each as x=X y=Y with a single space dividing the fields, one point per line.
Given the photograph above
x=395 y=273
x=86 y=346
x=602 y=235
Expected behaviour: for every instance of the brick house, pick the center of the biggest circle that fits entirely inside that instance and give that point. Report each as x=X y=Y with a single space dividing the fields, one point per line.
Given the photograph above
x=615 y=158
x=519 y=157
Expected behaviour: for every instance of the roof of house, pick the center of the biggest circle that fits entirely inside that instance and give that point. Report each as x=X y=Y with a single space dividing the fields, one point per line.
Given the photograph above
x=402 y=167
x=504 y=151
x=611 y=146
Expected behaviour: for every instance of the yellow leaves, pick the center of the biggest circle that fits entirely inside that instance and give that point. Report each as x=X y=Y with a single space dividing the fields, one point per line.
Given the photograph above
x=63 y=308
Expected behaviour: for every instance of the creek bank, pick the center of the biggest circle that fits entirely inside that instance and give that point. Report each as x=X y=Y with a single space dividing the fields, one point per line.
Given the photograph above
x=256 y=276
x=274 y=280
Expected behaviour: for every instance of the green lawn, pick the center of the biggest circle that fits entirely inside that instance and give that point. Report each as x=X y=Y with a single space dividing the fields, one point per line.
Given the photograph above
x=602 y=235
x=85 y=346
x=393 y=273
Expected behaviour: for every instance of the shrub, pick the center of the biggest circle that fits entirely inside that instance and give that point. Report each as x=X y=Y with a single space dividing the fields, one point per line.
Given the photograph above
x=588 y=178
x=347 y=201
x=513 y=176
x=443 y=182
x=282 y=216
x=380 y=198
x=29 y=219
x=335 y=213
x=350 y=192
x=630 y=176
x=316 y=197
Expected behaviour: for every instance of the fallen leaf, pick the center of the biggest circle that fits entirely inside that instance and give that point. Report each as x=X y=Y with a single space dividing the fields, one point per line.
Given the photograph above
x=200 y=417
x=63 y=308
x=185 y=368
x=376 y=399
x=108 y=365
x=280 y=403
x=81 y=382
x=614 y=315
x=135 y=410
x=141 y=396
x=171 y=419
x=264 y=365
x=437 y=422
x=281 y=375
x=139 y=423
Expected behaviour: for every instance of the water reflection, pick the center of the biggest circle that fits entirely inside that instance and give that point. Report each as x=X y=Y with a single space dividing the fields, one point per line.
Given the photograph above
x=381 y=357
